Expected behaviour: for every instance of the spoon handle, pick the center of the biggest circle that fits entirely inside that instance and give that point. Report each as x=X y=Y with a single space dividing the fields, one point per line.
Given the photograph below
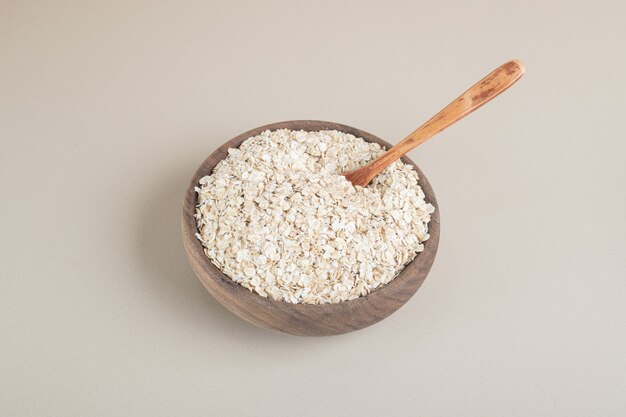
x=480 y=93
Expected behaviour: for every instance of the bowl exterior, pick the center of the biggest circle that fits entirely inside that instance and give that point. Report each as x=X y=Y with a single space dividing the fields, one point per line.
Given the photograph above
x=303 y=319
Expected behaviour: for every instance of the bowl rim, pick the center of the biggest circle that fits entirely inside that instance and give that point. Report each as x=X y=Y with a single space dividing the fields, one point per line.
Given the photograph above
x=195 y=249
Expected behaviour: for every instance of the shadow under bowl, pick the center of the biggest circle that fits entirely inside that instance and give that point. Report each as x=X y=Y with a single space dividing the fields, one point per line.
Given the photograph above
x=306 y=319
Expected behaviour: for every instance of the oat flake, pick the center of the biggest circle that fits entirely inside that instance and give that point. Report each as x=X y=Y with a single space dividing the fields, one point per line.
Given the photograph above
x=278 y=218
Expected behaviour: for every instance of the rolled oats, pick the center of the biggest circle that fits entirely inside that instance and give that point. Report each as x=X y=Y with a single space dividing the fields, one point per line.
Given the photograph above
x=278 y=218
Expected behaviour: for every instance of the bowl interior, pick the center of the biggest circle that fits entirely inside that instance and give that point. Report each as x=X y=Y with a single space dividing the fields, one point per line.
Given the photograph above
x=306 y=319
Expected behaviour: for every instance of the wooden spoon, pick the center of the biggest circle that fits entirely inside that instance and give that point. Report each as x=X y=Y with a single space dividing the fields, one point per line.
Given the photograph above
x=486 y=89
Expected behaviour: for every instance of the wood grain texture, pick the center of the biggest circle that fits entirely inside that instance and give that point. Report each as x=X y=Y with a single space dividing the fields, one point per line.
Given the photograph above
x=302 y=319
x=479 y=94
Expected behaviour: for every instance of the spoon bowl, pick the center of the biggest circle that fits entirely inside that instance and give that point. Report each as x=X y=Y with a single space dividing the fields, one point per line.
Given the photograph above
x=306 y=319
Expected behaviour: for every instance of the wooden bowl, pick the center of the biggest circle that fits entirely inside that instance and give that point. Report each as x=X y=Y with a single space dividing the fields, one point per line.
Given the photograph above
x=305 y=319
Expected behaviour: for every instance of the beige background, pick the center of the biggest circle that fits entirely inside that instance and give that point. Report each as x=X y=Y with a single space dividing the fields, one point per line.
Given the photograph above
x=107 y=108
